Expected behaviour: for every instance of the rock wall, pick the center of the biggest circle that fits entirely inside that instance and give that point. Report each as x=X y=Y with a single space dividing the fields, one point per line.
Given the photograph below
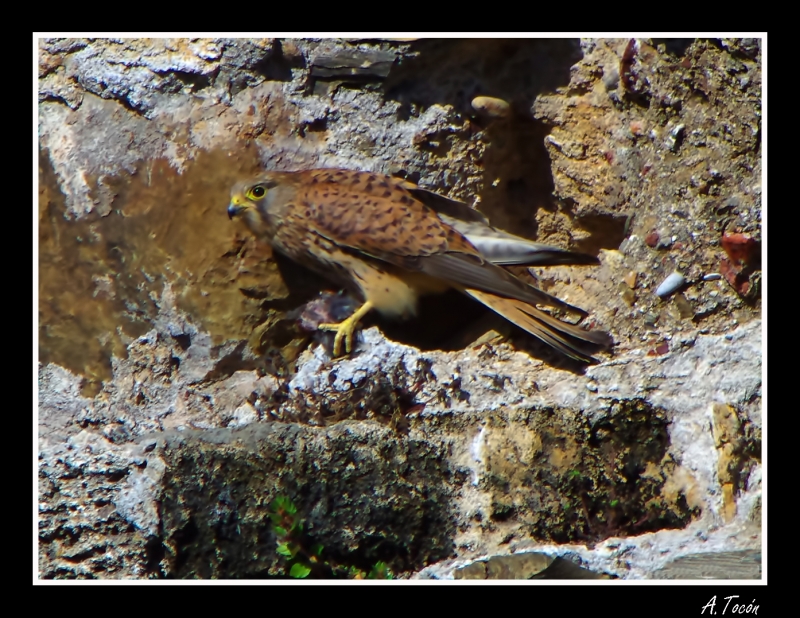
x=181 y=392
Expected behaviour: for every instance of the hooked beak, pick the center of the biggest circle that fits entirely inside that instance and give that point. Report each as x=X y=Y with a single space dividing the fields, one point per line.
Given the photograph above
x=235 y=207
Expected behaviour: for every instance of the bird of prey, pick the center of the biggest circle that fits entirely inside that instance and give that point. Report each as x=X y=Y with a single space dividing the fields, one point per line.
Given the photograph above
x=391 y=241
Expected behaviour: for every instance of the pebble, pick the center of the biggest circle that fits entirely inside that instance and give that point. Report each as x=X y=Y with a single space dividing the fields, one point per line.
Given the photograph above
x=491 y=107
x=672 y=283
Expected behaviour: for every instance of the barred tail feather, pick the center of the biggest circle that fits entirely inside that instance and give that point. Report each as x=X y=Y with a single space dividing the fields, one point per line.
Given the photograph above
x=574 y=341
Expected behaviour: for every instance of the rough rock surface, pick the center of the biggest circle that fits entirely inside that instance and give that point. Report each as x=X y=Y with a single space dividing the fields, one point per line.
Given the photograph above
x=181 y=391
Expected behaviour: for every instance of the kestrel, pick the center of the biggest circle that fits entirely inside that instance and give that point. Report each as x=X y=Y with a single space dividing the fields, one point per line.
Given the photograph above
x=391 y=241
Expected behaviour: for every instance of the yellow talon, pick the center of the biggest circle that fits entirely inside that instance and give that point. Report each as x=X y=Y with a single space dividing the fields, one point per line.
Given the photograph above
x=346 y=329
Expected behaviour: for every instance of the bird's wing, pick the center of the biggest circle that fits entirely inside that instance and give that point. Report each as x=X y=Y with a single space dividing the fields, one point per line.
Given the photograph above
x=506 y=249
x=370 y=213
x=463 y=265
x=497 y=246
x=444 y=206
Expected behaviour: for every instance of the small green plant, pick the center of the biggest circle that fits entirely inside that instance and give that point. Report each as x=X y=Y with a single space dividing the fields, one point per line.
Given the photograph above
x=304 y=557
x=380 y=570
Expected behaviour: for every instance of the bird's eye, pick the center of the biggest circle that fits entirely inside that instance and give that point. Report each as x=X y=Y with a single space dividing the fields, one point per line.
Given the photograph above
x=258 y=191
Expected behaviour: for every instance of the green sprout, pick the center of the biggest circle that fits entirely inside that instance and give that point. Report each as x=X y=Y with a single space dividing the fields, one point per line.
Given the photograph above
x=304 y=557
x=380 y=571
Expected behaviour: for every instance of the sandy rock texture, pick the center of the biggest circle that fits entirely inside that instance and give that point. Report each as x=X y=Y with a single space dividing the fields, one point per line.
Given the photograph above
x=182 y=385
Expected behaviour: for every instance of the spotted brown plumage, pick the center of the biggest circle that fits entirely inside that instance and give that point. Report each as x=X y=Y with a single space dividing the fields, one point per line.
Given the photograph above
x=393 y=241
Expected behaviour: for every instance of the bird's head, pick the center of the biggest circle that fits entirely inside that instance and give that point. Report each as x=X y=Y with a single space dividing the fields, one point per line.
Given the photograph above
x=250 y=200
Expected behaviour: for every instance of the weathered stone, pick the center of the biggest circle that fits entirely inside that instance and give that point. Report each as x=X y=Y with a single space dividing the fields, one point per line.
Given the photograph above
x=169 y=340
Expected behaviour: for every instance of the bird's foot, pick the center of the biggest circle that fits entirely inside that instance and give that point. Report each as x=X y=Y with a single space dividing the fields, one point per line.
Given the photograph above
x=345 y=330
